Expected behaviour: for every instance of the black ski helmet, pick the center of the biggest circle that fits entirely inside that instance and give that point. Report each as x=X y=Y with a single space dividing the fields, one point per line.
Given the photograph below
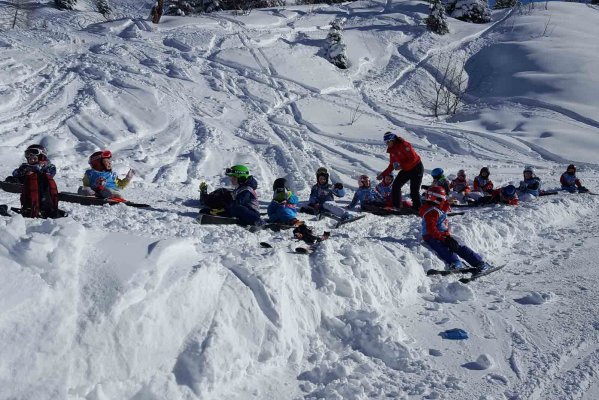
x=322 y=171
x=37 y=150
x=571 y=166
x=279 y=183
x=486 y=170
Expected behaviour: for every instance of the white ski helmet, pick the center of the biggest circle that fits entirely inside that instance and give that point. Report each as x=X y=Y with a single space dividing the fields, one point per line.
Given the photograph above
x=529 y=168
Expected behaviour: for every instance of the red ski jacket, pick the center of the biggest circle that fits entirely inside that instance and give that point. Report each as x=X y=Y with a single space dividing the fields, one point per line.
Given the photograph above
x=403 y=153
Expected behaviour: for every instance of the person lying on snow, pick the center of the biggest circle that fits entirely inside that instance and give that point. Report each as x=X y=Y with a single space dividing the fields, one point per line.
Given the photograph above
x=530 y=187
x=39 y=196
x=100 y=180
x=283 y=207
x=366 y=195
x=436 y=233
x=570 y=182
x=323 y=194
x=482 y=183
x=505 y=195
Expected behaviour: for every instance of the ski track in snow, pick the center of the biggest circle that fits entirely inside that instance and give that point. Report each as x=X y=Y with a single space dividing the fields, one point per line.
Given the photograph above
x=117 y=302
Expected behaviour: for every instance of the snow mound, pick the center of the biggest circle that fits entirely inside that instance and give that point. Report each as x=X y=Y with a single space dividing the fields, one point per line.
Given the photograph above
x=536 y=298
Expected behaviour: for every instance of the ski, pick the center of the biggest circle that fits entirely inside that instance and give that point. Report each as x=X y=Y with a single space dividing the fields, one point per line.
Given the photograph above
x=59 y=214
x=11 y=187
x=307 y=249
x=96 y=201
x=445 y=272
x=74 y=197
x=209 y=219
x=475 y=276
x=548 y=193
x=273 y=226
x=349 y=220
x=265 y=245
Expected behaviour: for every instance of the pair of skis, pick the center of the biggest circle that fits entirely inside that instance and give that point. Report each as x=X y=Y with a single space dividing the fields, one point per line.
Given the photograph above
x=309 y=249
x=475 y=273
x=74 y=197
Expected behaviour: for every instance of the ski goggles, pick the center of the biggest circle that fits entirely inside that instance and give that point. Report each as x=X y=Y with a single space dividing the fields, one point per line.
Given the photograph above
x=106 y=154
x=34 y=152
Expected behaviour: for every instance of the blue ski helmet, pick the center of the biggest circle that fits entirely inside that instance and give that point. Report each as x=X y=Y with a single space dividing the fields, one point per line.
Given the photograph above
x=508 y=191
x=389 y=136
x=437 y=172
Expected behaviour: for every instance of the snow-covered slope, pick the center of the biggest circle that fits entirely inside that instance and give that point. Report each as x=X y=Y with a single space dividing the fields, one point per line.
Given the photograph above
x=122 y=303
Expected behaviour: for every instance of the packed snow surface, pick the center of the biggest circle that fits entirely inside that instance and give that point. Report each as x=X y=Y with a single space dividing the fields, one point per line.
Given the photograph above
x=123 y=303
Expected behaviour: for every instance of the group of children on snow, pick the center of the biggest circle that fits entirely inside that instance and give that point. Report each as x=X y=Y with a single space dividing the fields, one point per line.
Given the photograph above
x=37 y=175
x=39 y=196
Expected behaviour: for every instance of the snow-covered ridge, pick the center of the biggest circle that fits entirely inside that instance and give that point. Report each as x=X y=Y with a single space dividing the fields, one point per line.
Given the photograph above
x=120 y=303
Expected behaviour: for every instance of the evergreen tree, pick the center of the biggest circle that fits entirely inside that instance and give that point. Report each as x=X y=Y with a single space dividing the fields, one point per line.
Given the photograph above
x=499 y=4
x=436 y=21
x=65 y=4
x=476 y=11
x=334 y=47
x=189 y=7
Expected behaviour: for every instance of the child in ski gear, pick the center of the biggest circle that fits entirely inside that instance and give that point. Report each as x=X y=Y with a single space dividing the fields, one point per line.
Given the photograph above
x=436 y=233
x=39 y=195
x=404 y=158
x=482 y=183
x=245 y=205
x=460 y=183
x=100 y=180
x=570 y=182
x=505 y=195
x=384 y=189
x=365 y=194
x=530 y=187
x=283 y=207
x=439 y=179
x=323 y=193
x=37 y=162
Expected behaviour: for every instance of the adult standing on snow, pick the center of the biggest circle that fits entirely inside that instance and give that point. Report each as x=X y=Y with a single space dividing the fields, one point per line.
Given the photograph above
x=404 y=158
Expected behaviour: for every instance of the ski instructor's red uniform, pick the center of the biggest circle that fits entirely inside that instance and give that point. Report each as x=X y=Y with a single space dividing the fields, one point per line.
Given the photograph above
x=403 y=156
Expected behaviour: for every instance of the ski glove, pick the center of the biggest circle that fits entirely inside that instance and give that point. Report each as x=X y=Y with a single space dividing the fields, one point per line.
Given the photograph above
x=453 y=244
x=338 y=185
x=130 y=174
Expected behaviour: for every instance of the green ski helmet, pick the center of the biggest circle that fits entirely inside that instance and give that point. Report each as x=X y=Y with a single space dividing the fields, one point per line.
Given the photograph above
x=238 y=171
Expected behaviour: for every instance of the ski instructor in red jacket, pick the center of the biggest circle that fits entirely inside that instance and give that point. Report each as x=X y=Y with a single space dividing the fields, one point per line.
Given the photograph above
x=403 y=157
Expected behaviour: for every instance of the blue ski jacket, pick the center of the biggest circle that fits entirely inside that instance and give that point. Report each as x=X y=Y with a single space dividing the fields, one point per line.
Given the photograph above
x=284 y=211
x=367 y=195
x=532 y=186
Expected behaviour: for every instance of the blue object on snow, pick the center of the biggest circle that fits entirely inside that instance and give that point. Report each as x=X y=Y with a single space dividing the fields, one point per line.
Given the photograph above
x=454 y=334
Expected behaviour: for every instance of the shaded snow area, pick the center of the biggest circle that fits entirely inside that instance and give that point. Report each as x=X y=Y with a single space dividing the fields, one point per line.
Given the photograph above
x=143 y=304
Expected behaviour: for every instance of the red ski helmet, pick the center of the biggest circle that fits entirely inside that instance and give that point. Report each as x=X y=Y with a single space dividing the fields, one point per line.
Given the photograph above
x=95 y=160
x=436 y=194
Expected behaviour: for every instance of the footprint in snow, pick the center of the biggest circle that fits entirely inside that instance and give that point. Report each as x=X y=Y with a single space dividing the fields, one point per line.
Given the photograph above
x=536 y=298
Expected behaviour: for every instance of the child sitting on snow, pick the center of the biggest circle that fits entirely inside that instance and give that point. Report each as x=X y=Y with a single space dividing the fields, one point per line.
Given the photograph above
x=283 y=207
x=39 y=195
x=439 y=179
x=570 y=182
x=436 y=233
x=384 y=189
x=323 y=194
x=245 y=205
x=366 y=195
x=530 y=187
x=482 y=183
x=100 y=180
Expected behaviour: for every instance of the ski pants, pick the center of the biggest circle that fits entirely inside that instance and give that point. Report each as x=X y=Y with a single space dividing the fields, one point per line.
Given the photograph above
x=245 y=215
x=327 y=206
x=415 y=177
x=465 y=252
